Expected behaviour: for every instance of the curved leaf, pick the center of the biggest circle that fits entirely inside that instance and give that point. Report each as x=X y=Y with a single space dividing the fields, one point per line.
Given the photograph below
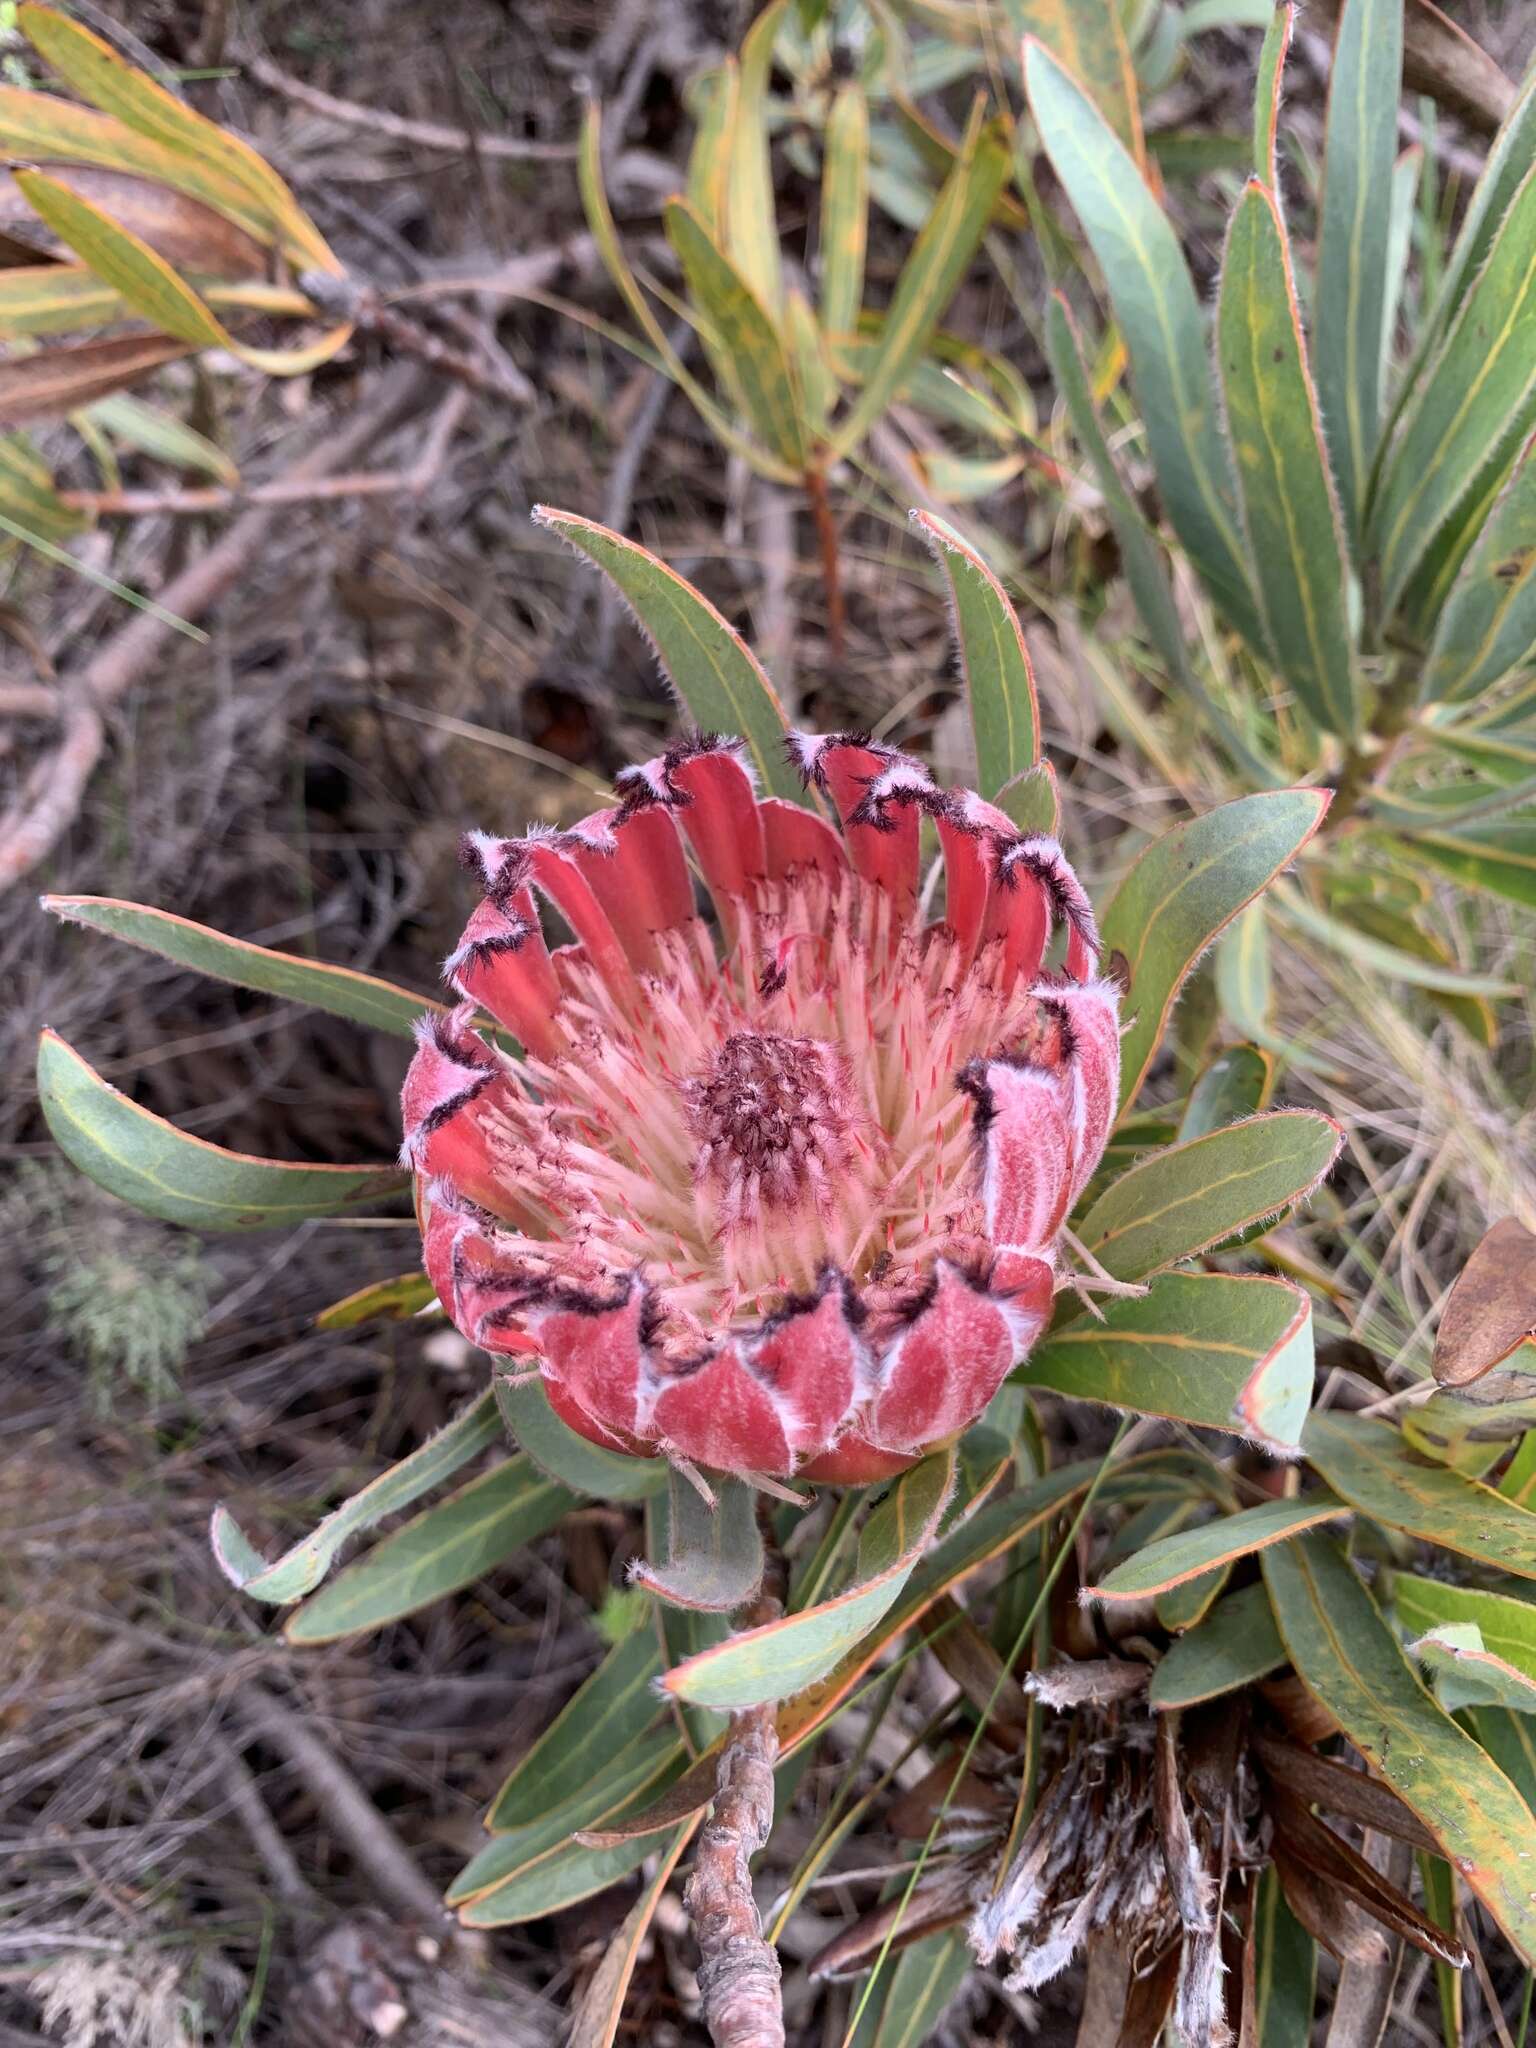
x=144 y=1160
x=1172 y=1204
x=1223 y=1351
x=606 y=1714
x=999 y=682
x=1507 y=1625
x=388 y=1301
x=1237 y=1083
x=720 y=682
x=714 y=1550
x=1233 y=1647
x=1189 y=1552
x=748 y=348
x=558 y=1451
x=1188 y=886
x=1467 y=1673
x=1348 y=1659
x=1369 y=1464
x=299 y=1570
x=340 y=991
x=781 y=1658
x=1088 y=37
x=451 y=1545
x=929 y=279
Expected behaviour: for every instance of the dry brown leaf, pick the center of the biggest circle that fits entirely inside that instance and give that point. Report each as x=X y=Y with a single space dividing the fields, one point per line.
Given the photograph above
x=189 y=235
x=1492 y=1307
x=57 y=380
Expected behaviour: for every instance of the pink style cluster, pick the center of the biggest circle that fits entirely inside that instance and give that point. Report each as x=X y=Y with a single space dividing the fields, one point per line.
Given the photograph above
x=778 y=1192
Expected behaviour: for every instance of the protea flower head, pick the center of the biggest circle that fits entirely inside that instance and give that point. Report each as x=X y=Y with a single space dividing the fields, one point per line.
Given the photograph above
x=779 y=1191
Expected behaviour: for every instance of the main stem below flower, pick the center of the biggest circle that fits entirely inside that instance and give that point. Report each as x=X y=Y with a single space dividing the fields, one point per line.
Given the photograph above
x=738 y=1969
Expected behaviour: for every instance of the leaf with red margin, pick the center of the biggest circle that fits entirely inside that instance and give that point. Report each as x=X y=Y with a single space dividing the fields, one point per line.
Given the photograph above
x=1190 y=1552
x=999 y=682
x=1184 y=890
x=1371 y=1465
x=1351 y=1663
x=1226 y=1351
x=783 y=1657
x=992 y=1530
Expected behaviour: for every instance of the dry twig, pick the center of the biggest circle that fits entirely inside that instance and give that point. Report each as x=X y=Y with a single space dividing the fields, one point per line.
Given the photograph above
x=51 y=798
x=429 y=134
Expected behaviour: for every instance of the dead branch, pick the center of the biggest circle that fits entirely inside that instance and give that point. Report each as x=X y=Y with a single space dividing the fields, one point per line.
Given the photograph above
x=1442 y=59
x=51 y=798
x=344 y=1803
x=429 y=134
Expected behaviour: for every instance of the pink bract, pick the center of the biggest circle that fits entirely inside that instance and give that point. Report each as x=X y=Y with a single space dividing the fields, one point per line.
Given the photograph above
x=777 y=1192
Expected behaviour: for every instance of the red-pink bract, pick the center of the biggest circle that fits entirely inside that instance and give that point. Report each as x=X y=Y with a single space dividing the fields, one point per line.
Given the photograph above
x=779 y=1191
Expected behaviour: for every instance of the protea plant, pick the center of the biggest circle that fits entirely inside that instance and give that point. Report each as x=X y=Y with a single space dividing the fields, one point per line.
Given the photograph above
x=798 y=1171
x=779 y=1193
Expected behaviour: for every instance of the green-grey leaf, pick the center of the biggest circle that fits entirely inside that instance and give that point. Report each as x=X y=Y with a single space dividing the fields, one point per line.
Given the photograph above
x=299 y=1570
x=144 y=1160
x=563 y=1455
x=1185 y=888
x=1159 y=315
x=1295 y=548
x=1139 y=556
x=1234 y=1646
x=999 y=682
x=783 y=1657
x=340 y=991
x=929 y=279
x=1353 y=240
x=1172 y=1204
x=1468 y=1674
x=1488 y=625
x=718 y=678
x=1237 y=1083
x=1350 y=1661
x=714 y=1548
x=1189 y=1552
x=1223 y=1351
x=603 y=1718
x=1369 y=1464
x=844 y=208
x=1473 y=408
x=450 y=1545
x=747 y=345
x=610 y=1780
